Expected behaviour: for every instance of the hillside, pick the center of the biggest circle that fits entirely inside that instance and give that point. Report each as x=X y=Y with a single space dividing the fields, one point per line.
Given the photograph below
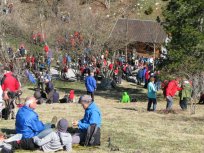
x=55 y=18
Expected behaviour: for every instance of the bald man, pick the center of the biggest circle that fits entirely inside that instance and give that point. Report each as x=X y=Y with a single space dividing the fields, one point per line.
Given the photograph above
x=27 y=121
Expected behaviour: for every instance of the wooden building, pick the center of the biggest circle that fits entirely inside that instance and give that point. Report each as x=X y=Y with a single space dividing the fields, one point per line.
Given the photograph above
x=142 y=36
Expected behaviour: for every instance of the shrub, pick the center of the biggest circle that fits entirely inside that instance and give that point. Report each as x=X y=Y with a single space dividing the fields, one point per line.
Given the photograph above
x=149 y=10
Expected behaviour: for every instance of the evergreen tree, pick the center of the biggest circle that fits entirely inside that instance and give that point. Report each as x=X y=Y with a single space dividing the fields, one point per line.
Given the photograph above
x=184 y=22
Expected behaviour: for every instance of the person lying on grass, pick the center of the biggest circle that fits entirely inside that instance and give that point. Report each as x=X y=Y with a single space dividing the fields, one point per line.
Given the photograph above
x=55 y=141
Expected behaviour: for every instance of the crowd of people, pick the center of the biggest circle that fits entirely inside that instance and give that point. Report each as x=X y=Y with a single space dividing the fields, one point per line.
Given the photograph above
x=33 y=134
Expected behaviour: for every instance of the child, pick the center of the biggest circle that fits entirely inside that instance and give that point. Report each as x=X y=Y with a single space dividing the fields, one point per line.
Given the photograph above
x=55 y=141
x=125 y=98
x=71 y=98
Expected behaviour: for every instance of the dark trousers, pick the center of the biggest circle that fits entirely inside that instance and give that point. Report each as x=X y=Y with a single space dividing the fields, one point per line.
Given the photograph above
x=146 y=83
x=139 y=81
x=50 y=96
x=184 y=103
x=40 y=84
x=119 y=79
x=92 y=95
x=25 y=144
x=150 y=102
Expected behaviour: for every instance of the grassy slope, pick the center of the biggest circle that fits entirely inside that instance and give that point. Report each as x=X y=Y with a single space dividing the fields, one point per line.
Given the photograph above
x=130 y=127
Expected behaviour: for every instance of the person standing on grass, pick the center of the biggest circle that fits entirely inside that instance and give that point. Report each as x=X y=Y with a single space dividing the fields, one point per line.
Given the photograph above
x=90 y=84
x=151 y=94
x=185 y=94
x=171 y=90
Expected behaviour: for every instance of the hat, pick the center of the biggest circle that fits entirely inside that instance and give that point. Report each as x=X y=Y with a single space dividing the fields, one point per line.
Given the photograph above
x=85 y=98
x=62 y=125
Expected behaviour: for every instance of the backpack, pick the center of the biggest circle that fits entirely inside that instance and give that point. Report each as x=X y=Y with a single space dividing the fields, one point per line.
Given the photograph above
x=93 y=136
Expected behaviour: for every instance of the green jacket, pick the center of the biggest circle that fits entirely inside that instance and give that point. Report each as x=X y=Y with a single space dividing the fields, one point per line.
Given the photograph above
x=186 y=91
x=125 y=98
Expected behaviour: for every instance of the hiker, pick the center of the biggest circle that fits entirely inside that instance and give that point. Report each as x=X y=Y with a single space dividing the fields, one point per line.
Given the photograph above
x=10 y=86
x=171 y=90
x=125 y=98
x=38 y=96
x=49 y=89
x=1 y=102
x=139 y=76
x=46 y=49
x=120 y=74
x=147 y=76
x=55 y=96
x=28 y=123
x=92 y=116
x=71 y=97
x=157 y=80
x=151 y=94
x=22 y=51
x=90 y=84
x=54 y=141
x=40 y=80
x=47 y=76
x=185 y=94
x=9 y=81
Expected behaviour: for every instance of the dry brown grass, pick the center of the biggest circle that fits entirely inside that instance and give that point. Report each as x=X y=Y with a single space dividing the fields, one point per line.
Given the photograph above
x=130 y=127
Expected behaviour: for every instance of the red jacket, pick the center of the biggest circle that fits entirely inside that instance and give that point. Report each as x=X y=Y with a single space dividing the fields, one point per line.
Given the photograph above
x=28 y=59
x=32 y=60
x=110 y=66
x=46 y=48
x=71 y=94
x=172 y=88
x=147 y=75
x=10 y=82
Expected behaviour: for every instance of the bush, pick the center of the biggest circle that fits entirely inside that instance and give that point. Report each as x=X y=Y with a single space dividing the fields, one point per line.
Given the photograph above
x=149 y=10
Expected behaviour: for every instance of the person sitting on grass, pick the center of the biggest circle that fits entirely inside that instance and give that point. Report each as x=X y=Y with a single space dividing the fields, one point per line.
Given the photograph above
x=125 y=98
x=55 y=141
x=92 y=116
x=28 y=123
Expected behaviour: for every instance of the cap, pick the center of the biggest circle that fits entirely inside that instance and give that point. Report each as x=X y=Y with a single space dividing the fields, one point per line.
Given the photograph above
x=62 y=125
x=85 y=98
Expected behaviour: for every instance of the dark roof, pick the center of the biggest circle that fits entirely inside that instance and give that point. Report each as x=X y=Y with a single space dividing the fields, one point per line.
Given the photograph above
x=138 y=31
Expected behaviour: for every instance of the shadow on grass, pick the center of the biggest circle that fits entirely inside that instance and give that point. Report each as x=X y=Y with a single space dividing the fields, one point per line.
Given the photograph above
x=116 y=93
x=8 y=131
x=127 y=108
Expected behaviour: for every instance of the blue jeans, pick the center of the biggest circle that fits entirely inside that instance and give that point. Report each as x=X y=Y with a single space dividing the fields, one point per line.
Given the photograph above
x=184 y=103
x=46 y=131
x=149 y=105
x=158 y=85
x=169 y=101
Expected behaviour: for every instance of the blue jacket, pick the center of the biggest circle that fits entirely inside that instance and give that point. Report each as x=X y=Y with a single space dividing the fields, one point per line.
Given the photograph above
x=140 y=74
x=92 y=116
x=90 y=83
x=144 y=71
x=27 y=123
x=151 y=90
